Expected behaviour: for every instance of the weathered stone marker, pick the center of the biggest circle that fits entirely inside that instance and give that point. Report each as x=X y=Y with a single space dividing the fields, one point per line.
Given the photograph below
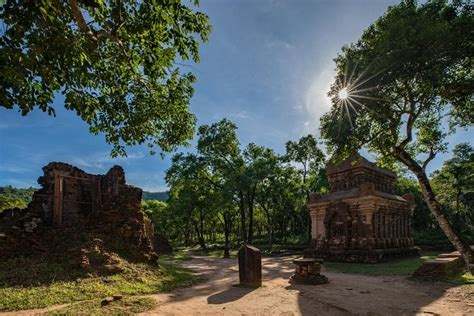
x=250 y=266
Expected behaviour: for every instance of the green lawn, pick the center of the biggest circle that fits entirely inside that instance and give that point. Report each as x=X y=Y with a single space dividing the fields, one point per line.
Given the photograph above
x=27 y=283
x=396 y=267
x=404 y=267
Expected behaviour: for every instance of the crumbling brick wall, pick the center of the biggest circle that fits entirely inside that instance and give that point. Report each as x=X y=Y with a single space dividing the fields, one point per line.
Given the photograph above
x=74 y=207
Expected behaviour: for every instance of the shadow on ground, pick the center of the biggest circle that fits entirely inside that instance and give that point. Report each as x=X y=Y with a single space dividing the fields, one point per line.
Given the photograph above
x=346 y=294
x=232 y=294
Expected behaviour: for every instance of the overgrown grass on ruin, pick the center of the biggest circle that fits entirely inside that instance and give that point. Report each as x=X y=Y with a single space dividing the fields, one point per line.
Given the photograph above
x=27 y=283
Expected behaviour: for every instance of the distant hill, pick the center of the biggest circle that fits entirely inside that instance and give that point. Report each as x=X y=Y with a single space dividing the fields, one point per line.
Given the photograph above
x=161 y=196
x=9 y=194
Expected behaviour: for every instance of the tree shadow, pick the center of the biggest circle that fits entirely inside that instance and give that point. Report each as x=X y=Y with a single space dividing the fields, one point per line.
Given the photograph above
x=232 y=294
x=350 y=294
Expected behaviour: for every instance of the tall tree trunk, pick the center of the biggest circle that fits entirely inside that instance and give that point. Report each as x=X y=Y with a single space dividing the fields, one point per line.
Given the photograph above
x=250 y=201
x=250 y=230
x=269 y=226
x=200 y=232
x=437 y=210
x=227 y=228
x=243 y=229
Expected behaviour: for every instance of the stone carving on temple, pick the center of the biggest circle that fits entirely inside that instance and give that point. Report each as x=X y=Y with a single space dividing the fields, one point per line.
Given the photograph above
x=361 y=218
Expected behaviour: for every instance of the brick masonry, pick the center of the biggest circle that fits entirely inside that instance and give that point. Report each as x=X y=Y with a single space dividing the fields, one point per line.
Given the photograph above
x=74 y=209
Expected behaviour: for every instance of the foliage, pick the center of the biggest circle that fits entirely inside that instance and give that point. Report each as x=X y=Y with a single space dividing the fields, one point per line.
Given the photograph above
x=222 y=184
x=11 y=197
x=422 y=219
x=409 y=73
x=454 y=187
x=411 y=68
x=125 y=306
x=9 y=202
x=157 y=211
x=114 y=62
x=44 y=281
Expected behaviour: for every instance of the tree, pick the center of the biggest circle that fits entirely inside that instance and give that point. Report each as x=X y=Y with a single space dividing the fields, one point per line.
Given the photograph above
x=9 y=202
x=114 y=61
x=456 y=179
x=218 y=147
x=409 y=72
x=306 y=153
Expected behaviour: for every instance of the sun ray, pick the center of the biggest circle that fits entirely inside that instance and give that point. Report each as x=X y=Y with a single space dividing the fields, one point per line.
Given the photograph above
x=353 y=71
x=370 y=78
x=359 y=103
x=359 y=77
x=348 y=115
x=352 y=106
x=362 y=90
x=365 y=97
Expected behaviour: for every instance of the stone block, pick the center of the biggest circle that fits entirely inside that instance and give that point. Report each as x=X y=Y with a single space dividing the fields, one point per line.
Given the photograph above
x=250 y=266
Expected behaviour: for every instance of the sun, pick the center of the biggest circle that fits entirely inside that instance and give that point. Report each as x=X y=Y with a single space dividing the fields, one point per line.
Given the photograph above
x=343 y=94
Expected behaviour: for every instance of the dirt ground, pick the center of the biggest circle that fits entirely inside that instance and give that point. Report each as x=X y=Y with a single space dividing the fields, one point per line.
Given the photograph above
x=346 y=294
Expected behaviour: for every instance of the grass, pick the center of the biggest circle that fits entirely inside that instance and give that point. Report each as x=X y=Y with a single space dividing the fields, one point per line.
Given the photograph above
x=213 y=253
x=465 y=279
x=126 y=306
x=404 y=266
x=27 y=283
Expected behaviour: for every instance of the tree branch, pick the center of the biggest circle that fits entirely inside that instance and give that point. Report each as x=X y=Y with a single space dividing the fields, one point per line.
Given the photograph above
x=430 y=157
x=81 y=22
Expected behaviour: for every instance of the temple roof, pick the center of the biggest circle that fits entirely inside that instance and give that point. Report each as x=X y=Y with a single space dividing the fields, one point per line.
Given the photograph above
x=354 y=161
x=355 y=193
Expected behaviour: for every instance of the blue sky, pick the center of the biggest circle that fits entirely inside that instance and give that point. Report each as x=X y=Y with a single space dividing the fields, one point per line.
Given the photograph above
x=267 y=67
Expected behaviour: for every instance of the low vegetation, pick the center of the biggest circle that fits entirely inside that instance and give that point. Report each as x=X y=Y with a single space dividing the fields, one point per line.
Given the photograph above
x=401 y=267
x=405 y=266
x=44 y=282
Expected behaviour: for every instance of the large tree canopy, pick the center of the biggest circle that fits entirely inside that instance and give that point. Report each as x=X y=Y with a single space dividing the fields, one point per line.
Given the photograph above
x=114 y=61
x=410 y=73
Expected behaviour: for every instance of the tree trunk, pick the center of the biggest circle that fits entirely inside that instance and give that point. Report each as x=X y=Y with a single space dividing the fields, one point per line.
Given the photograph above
x=250 y=200
x=200 y=237
x=437 y=210
x=250 y=231
x=243 y=229
x=227 y=228
x=269 y=226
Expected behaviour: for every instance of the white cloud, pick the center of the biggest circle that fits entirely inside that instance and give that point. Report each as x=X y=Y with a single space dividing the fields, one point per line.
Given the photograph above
x=102 y=160
x=241 y=115
x=277 y=44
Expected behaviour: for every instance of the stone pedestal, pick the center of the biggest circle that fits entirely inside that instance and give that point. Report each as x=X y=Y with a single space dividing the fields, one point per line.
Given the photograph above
x=308 y=271
x=250 y=266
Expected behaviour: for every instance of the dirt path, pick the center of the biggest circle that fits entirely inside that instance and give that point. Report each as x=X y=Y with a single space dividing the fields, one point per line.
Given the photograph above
x=346 y=294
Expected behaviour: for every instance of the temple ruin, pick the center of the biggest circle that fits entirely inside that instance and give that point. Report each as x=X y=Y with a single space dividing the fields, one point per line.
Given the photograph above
x=360 y=219
x=75 y=211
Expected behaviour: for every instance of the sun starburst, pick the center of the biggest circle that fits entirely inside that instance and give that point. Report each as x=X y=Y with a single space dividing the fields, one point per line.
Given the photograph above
x=351 y=93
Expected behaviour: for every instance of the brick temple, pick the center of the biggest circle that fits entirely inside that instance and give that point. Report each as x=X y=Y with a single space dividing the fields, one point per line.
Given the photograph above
x=75 y=212
x=360 y=219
